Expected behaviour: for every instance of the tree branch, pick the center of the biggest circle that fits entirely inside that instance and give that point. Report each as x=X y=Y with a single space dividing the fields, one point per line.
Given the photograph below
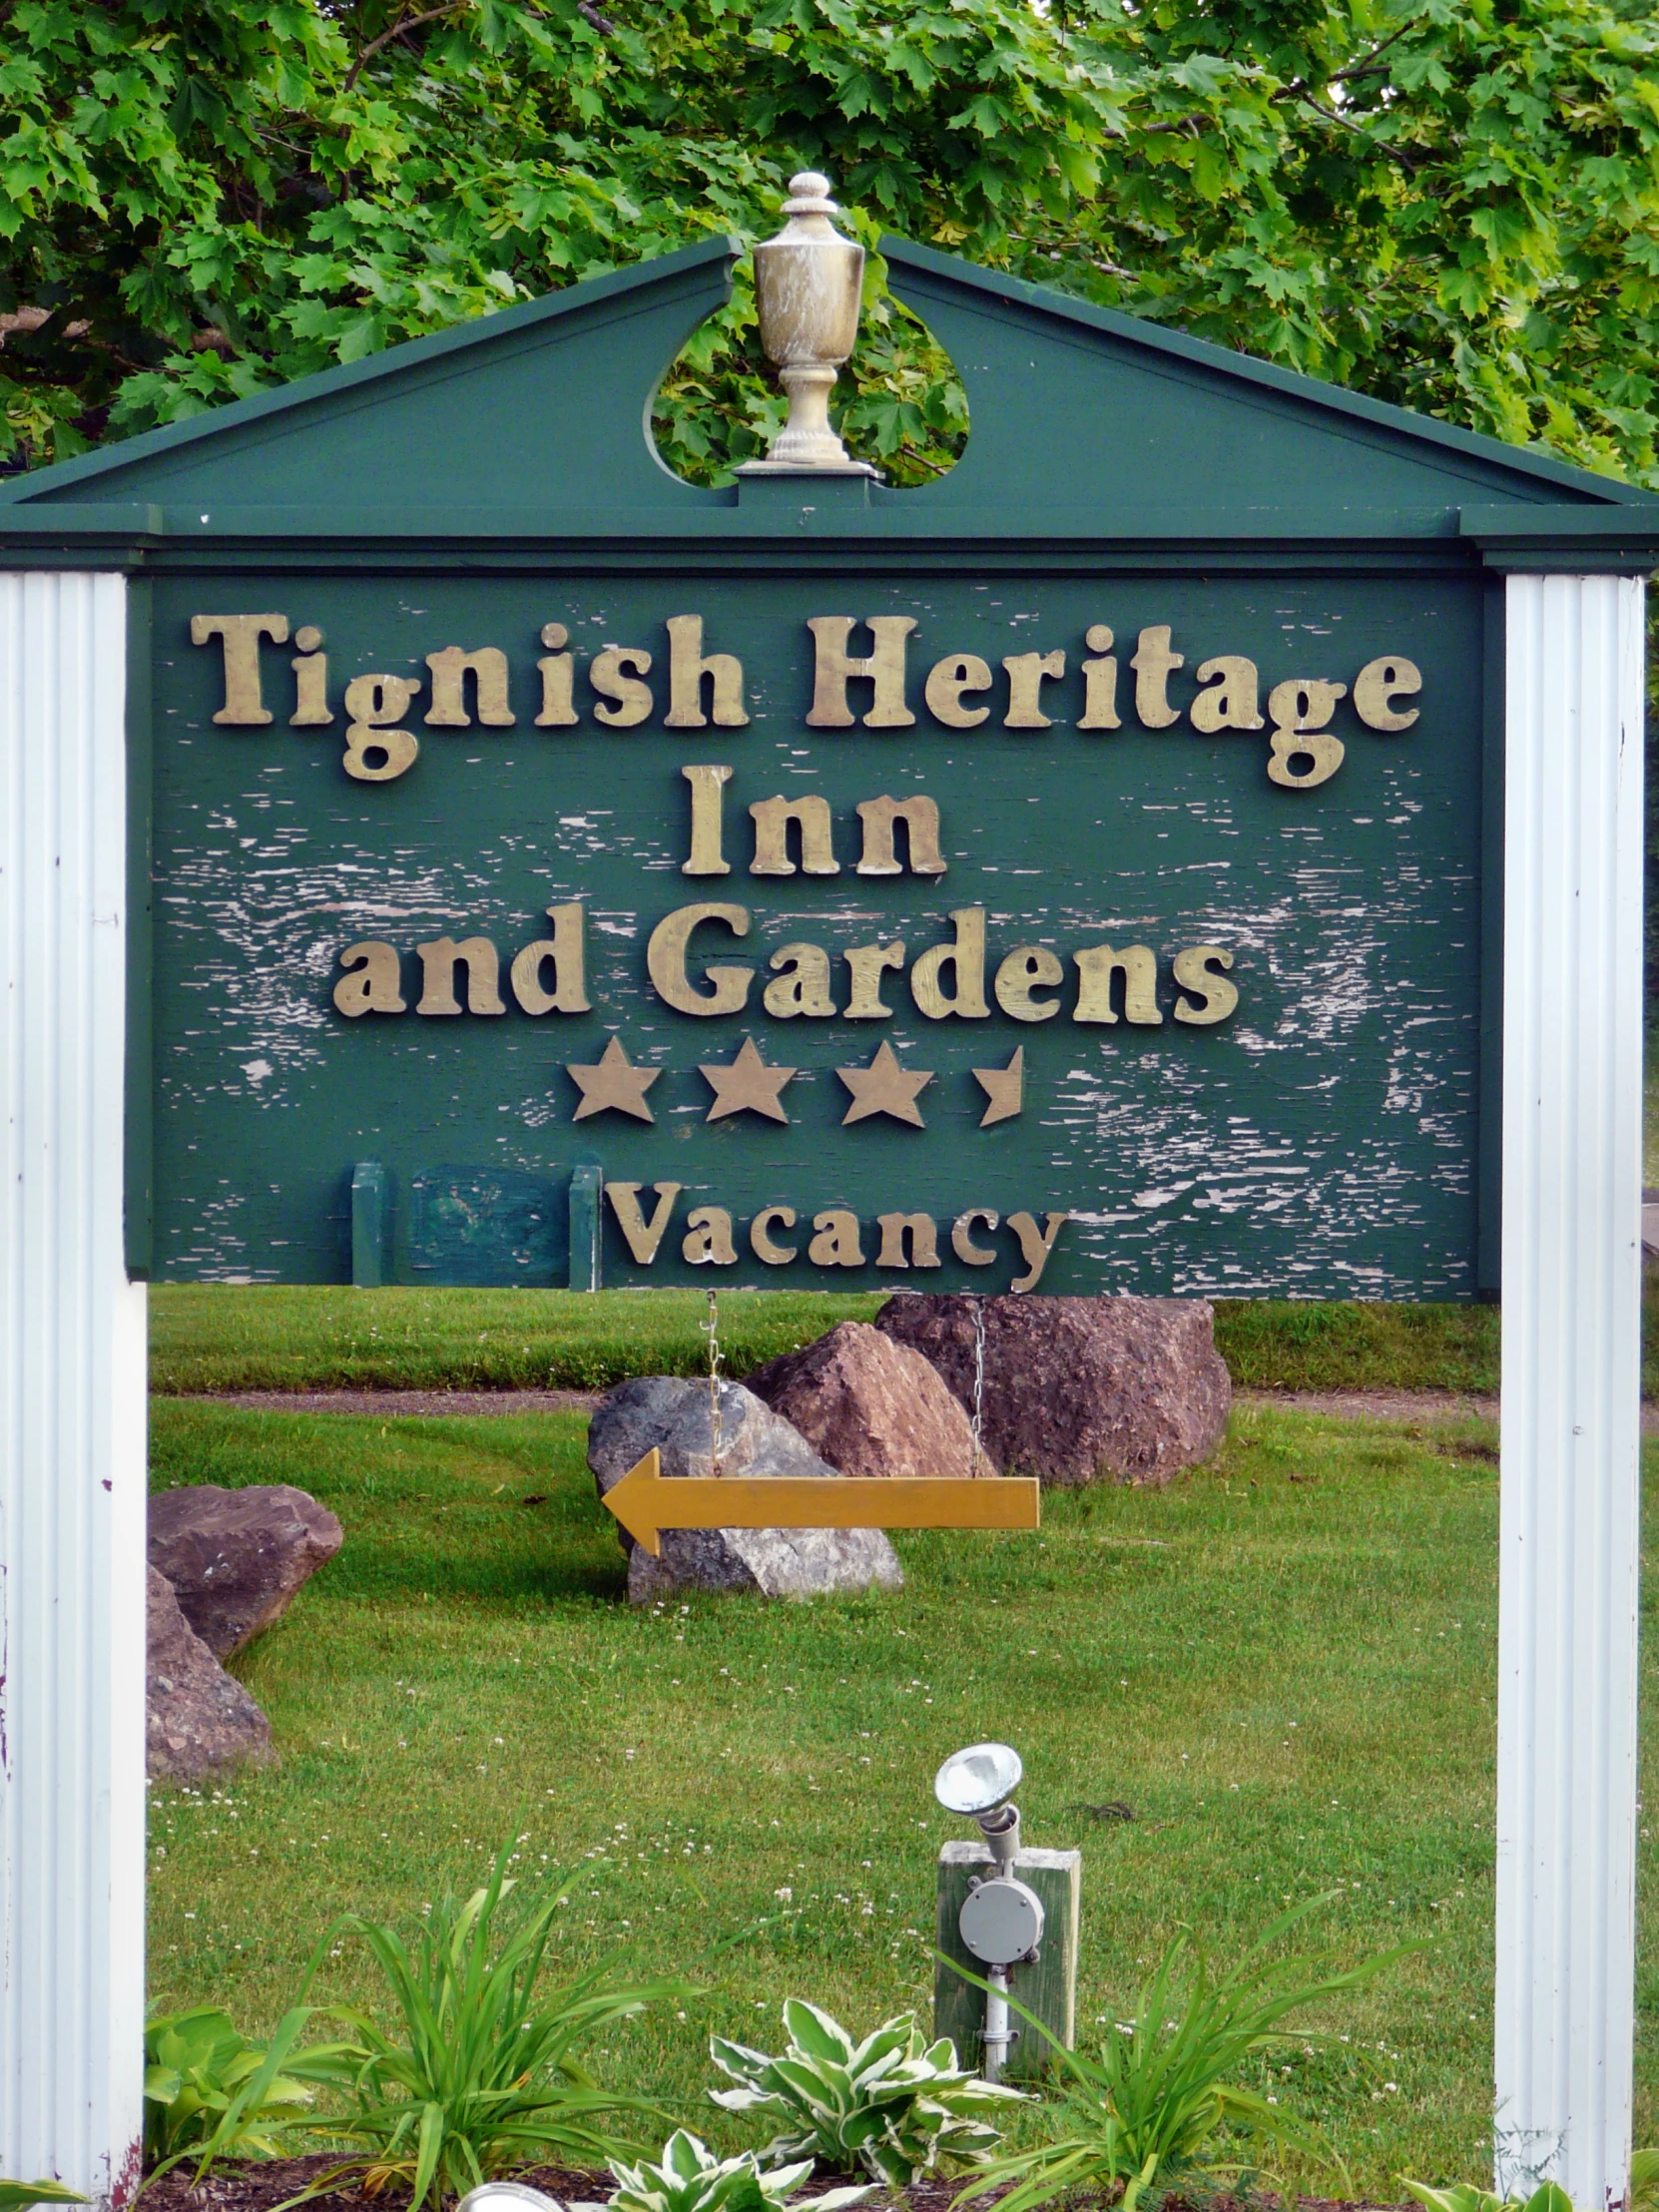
x=368 y=52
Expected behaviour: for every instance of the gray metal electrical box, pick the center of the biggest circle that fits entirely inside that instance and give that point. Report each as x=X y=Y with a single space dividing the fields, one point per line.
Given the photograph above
x=1048 y=1988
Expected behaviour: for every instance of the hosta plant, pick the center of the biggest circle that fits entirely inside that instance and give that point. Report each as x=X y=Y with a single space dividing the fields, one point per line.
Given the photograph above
x=690 y=2178
x=18 y=2196
x=1151 y=2109
x=891 y=2104
x=209 y=2092
x=1463 y=2196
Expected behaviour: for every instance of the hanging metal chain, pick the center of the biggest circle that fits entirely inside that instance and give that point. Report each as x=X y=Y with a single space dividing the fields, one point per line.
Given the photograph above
x=978 y=1305
x=711 y=1330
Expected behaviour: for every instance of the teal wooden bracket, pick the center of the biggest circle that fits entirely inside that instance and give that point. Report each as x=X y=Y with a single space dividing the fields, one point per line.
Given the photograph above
x=587 y=1192
x=370 y=1213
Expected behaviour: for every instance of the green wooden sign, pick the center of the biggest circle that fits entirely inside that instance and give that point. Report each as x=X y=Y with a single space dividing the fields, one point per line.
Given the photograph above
x=1080 y=873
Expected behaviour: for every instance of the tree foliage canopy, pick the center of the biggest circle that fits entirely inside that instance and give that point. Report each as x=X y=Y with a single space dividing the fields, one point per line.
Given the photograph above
x=1453 y=204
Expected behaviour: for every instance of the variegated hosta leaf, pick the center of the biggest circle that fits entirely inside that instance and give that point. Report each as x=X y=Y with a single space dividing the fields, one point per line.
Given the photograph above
x=896 y=2105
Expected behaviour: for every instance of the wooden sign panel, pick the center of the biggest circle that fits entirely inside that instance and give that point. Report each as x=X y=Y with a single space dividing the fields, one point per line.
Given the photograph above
x=1102 y=932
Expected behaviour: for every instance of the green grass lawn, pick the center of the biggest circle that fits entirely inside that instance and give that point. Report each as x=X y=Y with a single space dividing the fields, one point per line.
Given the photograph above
x=233 y=1337
x=1285 y=1661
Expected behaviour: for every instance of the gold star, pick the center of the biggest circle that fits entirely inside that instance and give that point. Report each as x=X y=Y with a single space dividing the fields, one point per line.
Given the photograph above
x=614 y=1084
x=746 y=1084
x=1004 y=1087
x=884 y=1088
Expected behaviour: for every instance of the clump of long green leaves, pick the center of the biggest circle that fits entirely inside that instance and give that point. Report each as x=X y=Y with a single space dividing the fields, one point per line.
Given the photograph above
x=1146 y=2112
x=479 y=2075
x=892 y=2104
x=208 y=2090
x=690 y=2178
x=18 y=2196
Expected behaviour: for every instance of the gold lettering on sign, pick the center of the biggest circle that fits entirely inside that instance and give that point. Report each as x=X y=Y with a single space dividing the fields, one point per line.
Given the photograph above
x=965 y=959
x=1231 y=701
x=609 y=674
x=885 y=668
x=920 y=818
x=867 y=963
x=761 y=1243
x=487 y=665
x=244 y=706
x=1154 y=664
x=1097 y=964
x=1297 y=711
x=310 y=681
x=374 y=704
x=771 y=819
x=438 y=961
x=1100 y=682
x=1025 y=679
x=947 y=680
x=917 y=1230
x=708 y=1238
x=803 y=986
x=1376 y=687
x=1215 y=997
x=642 y=1236
x=687 y=667
x=1029 y=968
x=569 y=994
x=837 y=1243
x=558 y=680
x=706 y=782
x=665 y=961
x=372 y=982
x=962 y=1237
x=1035 y=1245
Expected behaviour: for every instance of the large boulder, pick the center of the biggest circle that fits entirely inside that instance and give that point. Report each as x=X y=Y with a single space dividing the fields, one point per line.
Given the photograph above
x=674 y=1415
x=237 y=1558
x=1079 y=1390
x=870 y=1405
x=198 y=1720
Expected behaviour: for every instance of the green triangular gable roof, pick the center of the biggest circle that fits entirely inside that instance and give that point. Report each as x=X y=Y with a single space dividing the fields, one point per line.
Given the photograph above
x=1084 y=425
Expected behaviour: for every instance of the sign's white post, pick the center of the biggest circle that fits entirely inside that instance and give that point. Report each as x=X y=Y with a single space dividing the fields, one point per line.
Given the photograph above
x=72 y=1408
x=1567 y=1608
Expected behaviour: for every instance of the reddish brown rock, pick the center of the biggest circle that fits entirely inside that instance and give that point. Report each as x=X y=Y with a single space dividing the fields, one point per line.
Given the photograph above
x=198 y=1719
x=870 y=1405
x=1079 y=1390
x=236 y=1557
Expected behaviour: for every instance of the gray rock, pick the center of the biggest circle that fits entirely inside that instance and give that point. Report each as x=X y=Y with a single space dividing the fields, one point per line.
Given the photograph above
x=674 y=1415
x=198 y=1720
x=1079 y=1390
x=237 y=1558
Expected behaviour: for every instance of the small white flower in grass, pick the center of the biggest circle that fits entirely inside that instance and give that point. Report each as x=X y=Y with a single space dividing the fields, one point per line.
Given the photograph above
x=784 y=1895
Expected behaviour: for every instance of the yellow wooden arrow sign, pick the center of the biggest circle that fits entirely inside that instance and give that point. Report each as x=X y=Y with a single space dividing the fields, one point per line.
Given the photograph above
x=647 y=1502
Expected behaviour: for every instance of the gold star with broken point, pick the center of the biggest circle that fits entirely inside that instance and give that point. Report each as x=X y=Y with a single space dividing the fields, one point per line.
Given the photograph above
x=615 y=1085
x=746 y=1085
x=1004 y=1087
x=884 y=1087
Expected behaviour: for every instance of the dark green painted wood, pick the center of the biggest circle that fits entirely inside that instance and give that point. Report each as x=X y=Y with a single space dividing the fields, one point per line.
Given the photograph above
x=371 y=1205
x=1334 y=1137
x=1323 y=1141
x=587 y=1228
x=1047 y=1988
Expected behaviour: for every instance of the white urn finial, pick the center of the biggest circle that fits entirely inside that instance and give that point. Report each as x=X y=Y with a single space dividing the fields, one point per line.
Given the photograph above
x=809 y=281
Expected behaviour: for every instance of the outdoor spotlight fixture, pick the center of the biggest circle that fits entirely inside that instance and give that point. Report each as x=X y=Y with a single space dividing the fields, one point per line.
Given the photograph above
x=1001 y=1920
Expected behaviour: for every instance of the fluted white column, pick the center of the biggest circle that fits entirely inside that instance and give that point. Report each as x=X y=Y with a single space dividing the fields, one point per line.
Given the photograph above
x=1567 y=1611
x=71 y=1407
